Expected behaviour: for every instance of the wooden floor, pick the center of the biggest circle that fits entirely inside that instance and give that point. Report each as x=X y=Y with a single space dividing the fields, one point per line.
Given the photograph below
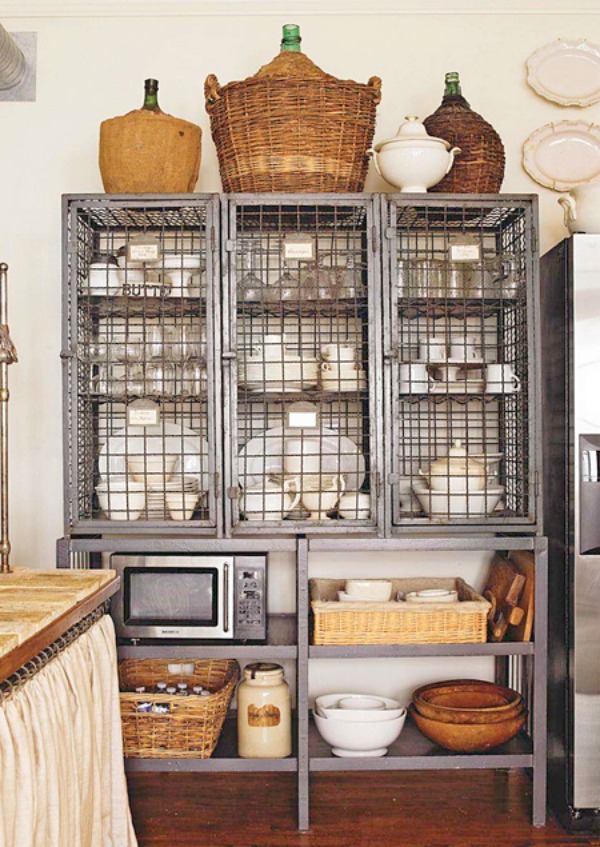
x=445 y=809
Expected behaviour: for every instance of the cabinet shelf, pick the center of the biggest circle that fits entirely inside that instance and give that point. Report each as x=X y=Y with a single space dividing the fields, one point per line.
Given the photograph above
x=459 y=308
x=412 y=751
x=225 y=758
x=118 y=305
x=281 y=643
x=358 y=651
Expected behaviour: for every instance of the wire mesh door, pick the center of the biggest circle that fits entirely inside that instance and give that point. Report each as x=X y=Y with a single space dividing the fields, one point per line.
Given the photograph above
x=141 y=421
x=461 y=357
x=303 y=276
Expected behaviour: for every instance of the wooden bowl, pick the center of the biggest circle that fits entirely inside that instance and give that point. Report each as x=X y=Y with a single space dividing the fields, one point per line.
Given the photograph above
x=468 y=738
x=467 y=701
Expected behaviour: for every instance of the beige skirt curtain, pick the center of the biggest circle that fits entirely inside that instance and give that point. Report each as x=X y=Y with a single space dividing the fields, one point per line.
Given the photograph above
x=62 y=781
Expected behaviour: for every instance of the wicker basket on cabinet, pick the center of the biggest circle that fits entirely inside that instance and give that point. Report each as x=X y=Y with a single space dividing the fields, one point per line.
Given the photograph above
x=292 y=127
x=336 y=623
x=192 y=727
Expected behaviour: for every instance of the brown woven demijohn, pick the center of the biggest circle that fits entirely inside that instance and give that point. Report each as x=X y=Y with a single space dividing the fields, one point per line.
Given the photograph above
x=292 y=127
x=479 y=169
x=149 y=152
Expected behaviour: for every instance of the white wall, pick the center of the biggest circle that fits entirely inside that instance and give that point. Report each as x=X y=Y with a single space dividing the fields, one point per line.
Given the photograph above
x=92 y=67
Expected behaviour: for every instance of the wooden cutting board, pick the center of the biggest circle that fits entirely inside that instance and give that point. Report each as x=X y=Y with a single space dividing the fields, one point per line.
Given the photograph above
x=503 y=589
x=525 y=562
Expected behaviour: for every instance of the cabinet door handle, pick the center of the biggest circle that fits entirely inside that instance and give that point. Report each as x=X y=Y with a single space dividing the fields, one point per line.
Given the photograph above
x=229 y=355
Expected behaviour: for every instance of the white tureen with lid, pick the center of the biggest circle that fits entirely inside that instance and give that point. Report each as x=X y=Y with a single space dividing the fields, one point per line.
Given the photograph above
x=413 y=160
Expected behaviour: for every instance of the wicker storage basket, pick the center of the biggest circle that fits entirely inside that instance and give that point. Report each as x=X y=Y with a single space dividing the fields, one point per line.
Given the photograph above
x=479 y=168
x=292 y=127
x=193 y=726
x=398 y=623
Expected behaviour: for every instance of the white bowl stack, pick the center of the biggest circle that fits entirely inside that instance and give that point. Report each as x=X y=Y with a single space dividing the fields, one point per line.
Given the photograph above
x=358 y=724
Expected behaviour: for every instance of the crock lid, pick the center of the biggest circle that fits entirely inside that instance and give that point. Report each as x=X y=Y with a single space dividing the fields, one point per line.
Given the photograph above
x=263 y=670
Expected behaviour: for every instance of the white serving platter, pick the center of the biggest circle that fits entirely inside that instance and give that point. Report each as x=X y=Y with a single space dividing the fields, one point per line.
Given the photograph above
x=566 y=72
x=563 y=155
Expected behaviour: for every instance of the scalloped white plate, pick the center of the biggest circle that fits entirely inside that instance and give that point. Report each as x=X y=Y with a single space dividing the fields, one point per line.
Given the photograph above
x=566 y=72
x=564 y=154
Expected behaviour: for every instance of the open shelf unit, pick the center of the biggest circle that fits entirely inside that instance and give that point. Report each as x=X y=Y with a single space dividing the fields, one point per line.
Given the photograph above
x=375 y=280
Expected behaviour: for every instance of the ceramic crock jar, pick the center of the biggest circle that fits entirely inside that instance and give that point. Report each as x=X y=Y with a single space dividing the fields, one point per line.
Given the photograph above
x=413 y=161
x=264 y=713
x=582 y=208
x=456 y=473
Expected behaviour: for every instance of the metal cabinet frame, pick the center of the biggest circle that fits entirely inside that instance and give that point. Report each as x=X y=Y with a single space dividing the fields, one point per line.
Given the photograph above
x=83 y=545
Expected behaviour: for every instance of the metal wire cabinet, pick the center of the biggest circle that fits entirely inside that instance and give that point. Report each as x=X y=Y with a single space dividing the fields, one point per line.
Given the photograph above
x=141 y=335
x=301 y=352
x=461 y=363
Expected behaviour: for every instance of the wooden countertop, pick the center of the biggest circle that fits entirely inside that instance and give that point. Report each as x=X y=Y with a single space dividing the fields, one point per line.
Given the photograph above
x=37 y=607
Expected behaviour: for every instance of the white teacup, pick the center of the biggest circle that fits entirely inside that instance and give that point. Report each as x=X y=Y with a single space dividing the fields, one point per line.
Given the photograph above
x=272 y=349
x=342 y=376
x=270 y=501
x=121 y=498
x=501 y=379
x=433 y=349
x=338 y=352
x=323 y=497
x=463 y=348
x=355 y=505
x=152 y=468
x=415 y=378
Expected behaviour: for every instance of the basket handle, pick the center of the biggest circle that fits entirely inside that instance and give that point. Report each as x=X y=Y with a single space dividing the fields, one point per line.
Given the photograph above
x=211 y=91
x=375 y=84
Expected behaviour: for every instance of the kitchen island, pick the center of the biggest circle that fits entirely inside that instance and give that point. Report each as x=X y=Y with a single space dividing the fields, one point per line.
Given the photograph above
x=61 y=755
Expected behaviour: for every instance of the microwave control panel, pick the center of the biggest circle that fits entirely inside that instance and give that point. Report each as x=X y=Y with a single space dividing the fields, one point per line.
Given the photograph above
x=250 y=598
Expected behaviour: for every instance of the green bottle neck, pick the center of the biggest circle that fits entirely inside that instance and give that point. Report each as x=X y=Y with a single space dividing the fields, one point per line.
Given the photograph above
x=151 y=95
x=290 y=41
x=452 y=82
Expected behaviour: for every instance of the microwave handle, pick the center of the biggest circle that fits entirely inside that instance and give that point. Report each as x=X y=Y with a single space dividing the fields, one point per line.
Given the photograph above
x=226 y=598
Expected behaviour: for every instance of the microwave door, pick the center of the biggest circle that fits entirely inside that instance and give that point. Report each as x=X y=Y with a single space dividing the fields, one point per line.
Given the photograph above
x=177 y=602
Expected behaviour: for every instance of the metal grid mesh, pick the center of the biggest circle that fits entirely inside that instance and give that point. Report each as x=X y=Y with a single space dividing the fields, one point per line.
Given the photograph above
x=460 y=289
x=300 y=274
x=140 y=339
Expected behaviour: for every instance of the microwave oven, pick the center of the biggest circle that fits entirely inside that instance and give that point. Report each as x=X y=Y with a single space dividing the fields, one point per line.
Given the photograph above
x=191 y=597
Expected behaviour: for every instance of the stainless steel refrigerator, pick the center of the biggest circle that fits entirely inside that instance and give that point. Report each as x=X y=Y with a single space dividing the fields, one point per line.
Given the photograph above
x=570 y=304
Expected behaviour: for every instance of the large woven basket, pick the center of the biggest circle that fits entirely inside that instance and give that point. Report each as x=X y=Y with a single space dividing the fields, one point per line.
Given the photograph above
x=293 y=128
x=192 y=727
x=335 y=623
x=479 y=168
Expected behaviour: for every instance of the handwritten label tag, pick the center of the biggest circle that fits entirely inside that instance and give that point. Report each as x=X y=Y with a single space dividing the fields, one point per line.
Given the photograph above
x=137 y=416
x=465 y=253
x=299 y=250
x=143 y=252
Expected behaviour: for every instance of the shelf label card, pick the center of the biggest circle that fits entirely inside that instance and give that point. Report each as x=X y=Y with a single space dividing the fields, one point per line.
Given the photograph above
x=137 y=416
x=465 y=253
x=302 y=419
x=301 y=250
x=143 y=252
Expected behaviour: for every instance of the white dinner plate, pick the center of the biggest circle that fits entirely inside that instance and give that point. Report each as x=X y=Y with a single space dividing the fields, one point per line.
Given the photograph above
x=564 y=154
x=172 y=439
x=263 y=456
x=566 y=72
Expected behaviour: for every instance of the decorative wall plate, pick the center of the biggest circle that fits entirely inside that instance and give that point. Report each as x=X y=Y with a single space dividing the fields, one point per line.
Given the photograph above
x=564 y=154
x=566 y=72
